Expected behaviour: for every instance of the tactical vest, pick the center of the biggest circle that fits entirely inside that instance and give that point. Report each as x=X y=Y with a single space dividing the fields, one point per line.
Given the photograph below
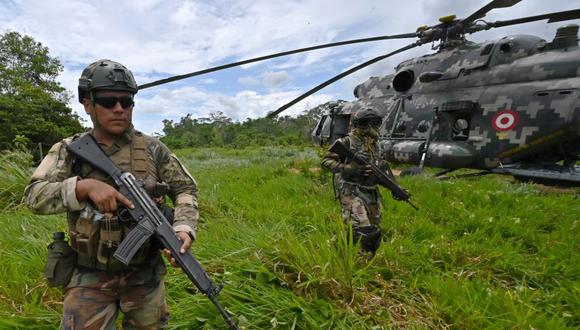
x=356 y=145
x=96 y=236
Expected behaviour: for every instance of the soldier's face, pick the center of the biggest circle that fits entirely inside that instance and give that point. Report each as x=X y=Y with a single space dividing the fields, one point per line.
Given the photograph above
x=111 y=112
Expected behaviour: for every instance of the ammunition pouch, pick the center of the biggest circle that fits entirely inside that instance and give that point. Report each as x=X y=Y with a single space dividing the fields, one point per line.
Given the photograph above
x=95 y=237
x=60 y=263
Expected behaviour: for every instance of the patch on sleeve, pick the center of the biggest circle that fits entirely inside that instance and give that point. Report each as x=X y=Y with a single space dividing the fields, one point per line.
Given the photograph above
x=185 y=171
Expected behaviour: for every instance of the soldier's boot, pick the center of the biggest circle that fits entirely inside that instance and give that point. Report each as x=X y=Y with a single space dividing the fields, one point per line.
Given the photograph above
x=370 y=239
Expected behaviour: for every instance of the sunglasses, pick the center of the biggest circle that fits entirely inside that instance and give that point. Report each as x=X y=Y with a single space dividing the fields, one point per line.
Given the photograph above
x=372 y=122
x=110 y=102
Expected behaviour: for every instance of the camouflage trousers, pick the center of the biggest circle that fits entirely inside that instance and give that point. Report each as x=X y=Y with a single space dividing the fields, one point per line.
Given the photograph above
x=361 y=207
x=93 y=299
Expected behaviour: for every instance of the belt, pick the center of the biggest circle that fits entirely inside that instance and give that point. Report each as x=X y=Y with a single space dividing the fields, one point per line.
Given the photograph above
x=113 y=268
x=360 y=186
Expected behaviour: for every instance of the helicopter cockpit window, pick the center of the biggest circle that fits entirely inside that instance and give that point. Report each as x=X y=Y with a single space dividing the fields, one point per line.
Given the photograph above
x=506 y=47
x=486 y=50
x=318 y=129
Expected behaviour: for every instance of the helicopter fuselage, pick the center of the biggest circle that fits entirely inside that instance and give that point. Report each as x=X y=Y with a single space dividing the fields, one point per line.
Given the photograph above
x=485 y=105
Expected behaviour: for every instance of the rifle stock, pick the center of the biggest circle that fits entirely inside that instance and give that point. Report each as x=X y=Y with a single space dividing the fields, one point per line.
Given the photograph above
x=149 y=221
x=384 y=180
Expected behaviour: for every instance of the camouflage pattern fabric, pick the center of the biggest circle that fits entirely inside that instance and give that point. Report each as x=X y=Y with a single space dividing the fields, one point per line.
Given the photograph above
x=93 y=299
x=359 y=197
x=360 y=207
x=52 y=187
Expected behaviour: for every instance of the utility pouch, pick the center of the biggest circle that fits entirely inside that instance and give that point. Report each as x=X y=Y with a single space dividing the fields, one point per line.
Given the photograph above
x=108 y=243
x=84 y=235
x=60 y=261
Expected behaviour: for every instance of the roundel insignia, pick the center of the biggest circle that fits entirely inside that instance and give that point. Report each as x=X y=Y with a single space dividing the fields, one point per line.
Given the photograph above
x=505 y=120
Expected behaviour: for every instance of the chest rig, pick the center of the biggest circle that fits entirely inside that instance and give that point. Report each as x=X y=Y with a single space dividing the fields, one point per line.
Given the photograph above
x=95 y=236
x=357 y=146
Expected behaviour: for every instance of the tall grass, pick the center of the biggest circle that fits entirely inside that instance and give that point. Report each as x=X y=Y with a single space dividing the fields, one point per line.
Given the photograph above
x=15 y=172
x=480 y=253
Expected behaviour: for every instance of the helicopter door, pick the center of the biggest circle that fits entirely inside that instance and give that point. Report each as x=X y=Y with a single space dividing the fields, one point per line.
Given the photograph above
x=319 y=134
x=340 y=127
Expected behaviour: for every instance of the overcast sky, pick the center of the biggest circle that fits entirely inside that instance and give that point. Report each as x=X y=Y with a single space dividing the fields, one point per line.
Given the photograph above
x=160 y=38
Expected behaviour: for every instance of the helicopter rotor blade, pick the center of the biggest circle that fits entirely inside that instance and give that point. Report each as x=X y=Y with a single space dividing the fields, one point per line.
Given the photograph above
x=485 y=9
x=552 y=17
x=338 y=77
x=267 y=57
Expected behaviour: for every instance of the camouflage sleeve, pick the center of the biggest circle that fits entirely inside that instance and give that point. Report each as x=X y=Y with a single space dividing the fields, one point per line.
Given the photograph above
x=52 y=188
x=332 y=161
x=182 y=191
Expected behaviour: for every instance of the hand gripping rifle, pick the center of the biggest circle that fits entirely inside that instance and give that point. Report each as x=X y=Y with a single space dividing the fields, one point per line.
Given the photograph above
x=384 y=180
x=149 y=220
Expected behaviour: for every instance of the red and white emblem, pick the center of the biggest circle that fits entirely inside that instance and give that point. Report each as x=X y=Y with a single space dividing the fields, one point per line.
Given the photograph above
x=505 y=120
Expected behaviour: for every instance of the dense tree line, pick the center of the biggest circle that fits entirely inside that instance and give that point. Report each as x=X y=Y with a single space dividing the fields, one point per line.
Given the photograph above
x=219 y=130
x=33 y=105
x=34 y=109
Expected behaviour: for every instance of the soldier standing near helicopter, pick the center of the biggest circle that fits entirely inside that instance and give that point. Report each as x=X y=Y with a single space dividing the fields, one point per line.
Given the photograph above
x=356 y=184
x=97 y=286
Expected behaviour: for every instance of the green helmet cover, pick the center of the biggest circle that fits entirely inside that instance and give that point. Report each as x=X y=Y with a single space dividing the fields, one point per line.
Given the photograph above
x=366 y=115
x=106 y=75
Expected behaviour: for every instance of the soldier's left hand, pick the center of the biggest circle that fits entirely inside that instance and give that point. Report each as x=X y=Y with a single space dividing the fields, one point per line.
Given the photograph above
x=186 y=244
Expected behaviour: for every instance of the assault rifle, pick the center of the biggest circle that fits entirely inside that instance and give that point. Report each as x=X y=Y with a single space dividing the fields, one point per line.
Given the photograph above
x=384 y=180
x=149 y=220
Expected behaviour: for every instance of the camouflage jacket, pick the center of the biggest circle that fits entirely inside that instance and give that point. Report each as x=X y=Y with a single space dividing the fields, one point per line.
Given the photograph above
x=53 y=184
x=335 y=163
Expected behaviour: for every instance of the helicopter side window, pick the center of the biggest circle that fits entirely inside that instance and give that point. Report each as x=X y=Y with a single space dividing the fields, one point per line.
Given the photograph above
x=460 y=129
x=457 y=115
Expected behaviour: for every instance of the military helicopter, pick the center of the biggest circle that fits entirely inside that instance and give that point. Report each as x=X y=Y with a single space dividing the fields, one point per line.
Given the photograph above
x=507 y=106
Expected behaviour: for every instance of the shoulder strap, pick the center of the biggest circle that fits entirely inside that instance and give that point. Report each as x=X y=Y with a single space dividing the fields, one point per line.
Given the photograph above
x=139 y=155
x=76 y=165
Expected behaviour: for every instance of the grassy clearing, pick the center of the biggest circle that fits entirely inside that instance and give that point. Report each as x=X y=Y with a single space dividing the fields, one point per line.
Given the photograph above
x=481 y=253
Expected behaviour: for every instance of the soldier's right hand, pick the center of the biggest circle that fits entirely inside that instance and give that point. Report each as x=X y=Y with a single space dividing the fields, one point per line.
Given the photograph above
x=356 y=169
x=103 y=196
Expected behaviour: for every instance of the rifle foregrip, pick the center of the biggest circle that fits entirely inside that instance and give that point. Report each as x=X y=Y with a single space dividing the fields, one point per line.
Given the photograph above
x=132 y=242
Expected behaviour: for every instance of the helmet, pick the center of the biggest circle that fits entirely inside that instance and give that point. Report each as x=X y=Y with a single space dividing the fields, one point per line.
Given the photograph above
x=366 y=116
x=108 y=75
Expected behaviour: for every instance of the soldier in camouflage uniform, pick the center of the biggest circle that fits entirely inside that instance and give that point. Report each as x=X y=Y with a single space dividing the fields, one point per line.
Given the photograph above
x=101 y=286
x=356 y=185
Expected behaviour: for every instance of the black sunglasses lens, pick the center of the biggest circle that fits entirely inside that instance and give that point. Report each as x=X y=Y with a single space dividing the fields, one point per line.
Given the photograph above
x=111 y=101
x=370 y=122
x=126 y=102
x=106 y=101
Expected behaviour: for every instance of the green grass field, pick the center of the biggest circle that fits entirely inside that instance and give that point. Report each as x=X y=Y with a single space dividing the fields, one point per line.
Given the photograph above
x=482 y=253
